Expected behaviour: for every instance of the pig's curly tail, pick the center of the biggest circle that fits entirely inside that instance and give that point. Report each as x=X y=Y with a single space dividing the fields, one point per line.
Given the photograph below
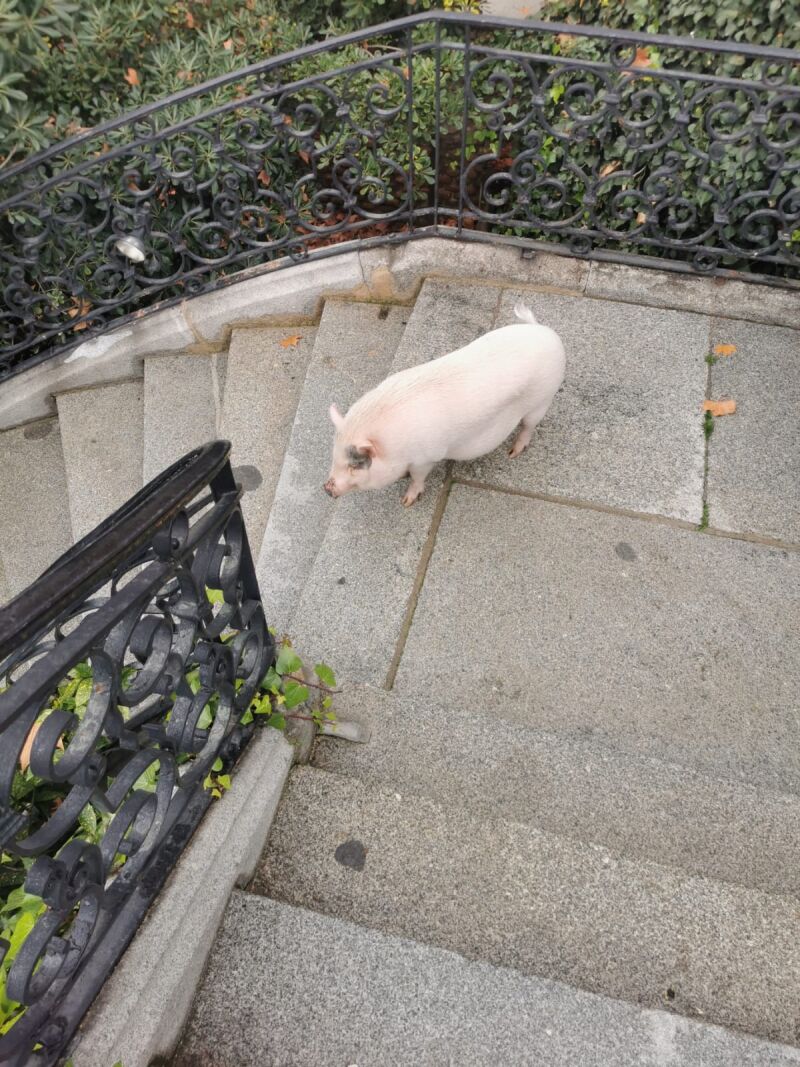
x=524 y=314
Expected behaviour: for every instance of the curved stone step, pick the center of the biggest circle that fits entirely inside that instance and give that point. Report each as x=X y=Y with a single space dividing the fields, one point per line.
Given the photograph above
x=548 y=906
x=34 y=504
x=319 y=992
x=457 y=755
x=102 y=435
x=353 y=350
x=264 y=375
x=182 y=397
x=354 y=600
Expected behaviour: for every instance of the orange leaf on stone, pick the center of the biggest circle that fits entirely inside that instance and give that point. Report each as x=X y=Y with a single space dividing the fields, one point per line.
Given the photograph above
x=132 y=76
x=724 y=350
x=720 y=407
x=291 y=341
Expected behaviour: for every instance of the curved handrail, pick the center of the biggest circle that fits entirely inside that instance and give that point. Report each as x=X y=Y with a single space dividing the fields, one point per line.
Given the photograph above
x=90 y=561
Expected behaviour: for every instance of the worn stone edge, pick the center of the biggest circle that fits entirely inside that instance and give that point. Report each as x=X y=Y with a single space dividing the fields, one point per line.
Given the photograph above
x=385 y=273
x=144 y=1004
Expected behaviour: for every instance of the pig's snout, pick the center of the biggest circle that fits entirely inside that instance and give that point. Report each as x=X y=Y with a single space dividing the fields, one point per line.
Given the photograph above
x=328 y=487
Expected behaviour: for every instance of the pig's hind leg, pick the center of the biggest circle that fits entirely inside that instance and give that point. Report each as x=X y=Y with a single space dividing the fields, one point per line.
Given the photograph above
x=417 y=483
x=523 y=438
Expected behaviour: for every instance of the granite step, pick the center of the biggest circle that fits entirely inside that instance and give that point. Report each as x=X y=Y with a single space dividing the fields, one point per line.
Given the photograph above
x=353 y=350
x=182 y=398
x=664 y=641
x=265 y=371
x=353 y=603
x=583 y=789
x=548 y=906
x=319 y=992
x=102 y=435
x=35 y=524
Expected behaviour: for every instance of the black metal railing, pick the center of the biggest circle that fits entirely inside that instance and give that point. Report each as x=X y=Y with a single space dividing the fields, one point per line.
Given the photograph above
x=128 y=667
x=596 y=142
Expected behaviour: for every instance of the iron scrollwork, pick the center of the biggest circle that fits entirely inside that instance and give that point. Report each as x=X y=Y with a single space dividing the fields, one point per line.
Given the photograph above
x=168 y=643
x=605 y=142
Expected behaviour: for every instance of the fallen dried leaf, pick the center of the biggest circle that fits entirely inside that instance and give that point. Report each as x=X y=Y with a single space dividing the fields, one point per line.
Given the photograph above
x=263 y=177
x=228 y=45
x=566 y=41
x=132 y=77
x=303 y=155
x=642 y=58
x=724 y=350
x=291 y=341
x=190 y=23
x=25 y=754
x=720 y=407
x=609 y=168
x=641 y=218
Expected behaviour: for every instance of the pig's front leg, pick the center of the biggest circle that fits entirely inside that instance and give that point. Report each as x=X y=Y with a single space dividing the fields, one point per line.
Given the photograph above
x=417 y=484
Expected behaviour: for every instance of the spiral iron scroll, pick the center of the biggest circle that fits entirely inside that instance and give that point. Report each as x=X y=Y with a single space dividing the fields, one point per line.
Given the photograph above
x=160 y=655
x=706 y=169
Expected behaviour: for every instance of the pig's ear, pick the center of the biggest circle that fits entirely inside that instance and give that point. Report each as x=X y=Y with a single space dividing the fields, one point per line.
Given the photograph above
x=336 y=416
x=360 y=456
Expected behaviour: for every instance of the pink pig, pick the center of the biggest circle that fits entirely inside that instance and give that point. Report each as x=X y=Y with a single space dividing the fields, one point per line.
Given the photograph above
x=460 y=406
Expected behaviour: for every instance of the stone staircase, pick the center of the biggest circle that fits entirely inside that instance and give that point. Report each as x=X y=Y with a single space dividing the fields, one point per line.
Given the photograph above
x=573 y=837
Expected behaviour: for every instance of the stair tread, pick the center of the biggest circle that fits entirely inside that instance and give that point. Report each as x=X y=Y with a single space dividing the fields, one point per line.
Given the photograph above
x=263 y=381
x=577 y=786
x=353 y=350
x=102 y=434
x=181 y=407
x=321 y=992
x=512 y=895
x=34 y=523
x=353 y=602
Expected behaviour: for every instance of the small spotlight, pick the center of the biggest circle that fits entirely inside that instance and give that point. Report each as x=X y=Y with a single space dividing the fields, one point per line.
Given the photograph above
x=131 y=247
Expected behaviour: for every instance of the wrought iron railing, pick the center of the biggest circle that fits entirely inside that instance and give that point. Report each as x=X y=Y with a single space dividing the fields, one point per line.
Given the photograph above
x=596 y=142
x=129 y=666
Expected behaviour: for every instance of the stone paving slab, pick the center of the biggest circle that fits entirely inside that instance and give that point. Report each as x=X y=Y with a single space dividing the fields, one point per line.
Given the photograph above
x=102 y=434
x=353 y=350
x=181 y=408
x=626 y=427
x=262 y=385
x=318 y=992
x=545 y=905
x=34 y=506
x=713 y=296
x=585 y=789
x=670 y=642
x=438 y=257
x=446 y=316
x=352 y=609
x=754 y=455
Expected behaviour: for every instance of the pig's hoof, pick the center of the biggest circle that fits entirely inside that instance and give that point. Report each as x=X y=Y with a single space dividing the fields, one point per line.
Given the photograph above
x=410 y=498
x=517 y=449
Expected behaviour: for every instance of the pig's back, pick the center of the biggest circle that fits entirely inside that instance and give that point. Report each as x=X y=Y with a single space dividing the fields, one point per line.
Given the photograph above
x=485 y=388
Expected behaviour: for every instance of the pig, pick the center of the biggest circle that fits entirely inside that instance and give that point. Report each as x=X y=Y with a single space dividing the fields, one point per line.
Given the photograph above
x=457 y=407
